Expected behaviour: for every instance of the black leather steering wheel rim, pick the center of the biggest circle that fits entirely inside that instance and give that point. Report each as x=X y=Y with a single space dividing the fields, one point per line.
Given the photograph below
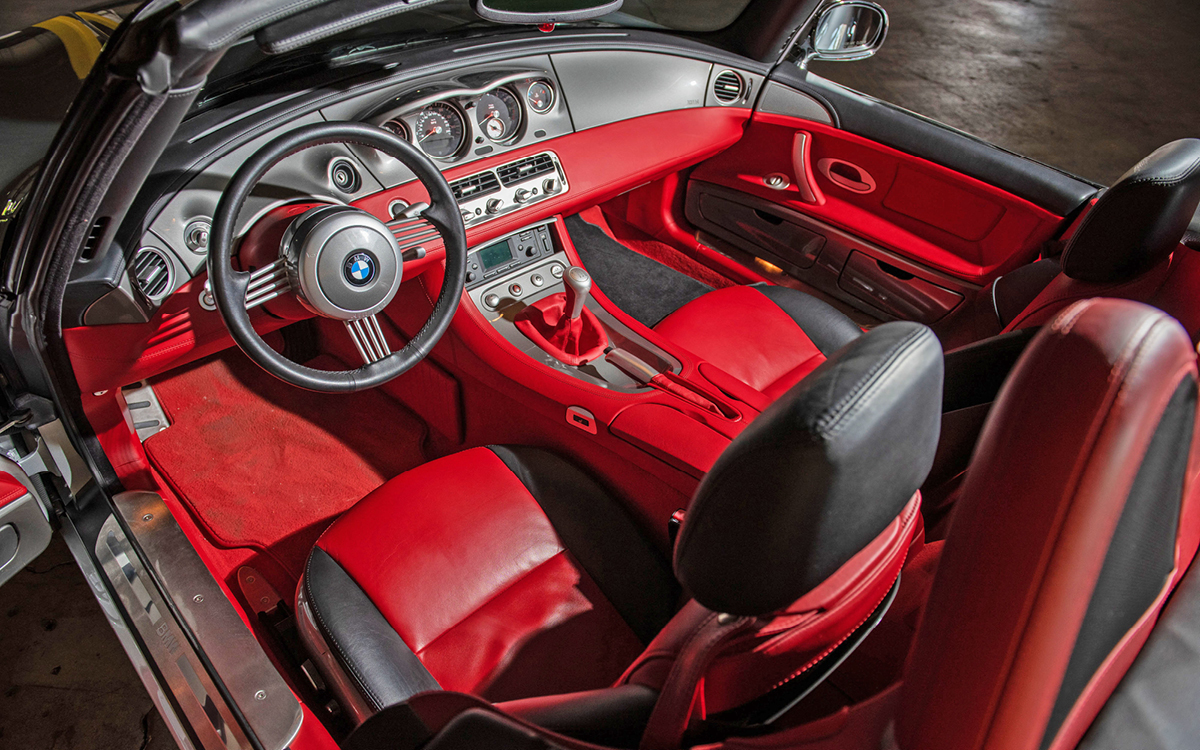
x=229 y=286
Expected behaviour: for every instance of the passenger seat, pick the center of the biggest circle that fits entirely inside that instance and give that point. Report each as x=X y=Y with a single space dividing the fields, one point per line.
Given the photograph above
x=768 y=337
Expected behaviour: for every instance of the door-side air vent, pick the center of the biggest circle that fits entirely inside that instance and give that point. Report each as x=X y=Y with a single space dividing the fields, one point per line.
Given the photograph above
x=91 y=245
x=152 y=271
x=525 y=169
x=729 y=87
x=475 y=186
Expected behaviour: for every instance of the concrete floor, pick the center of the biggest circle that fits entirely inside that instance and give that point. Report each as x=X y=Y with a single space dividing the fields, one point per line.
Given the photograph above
x=65 y=681
x=1087 y=85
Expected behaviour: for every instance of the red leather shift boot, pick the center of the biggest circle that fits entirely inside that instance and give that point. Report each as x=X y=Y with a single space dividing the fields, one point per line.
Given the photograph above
x=573 y=342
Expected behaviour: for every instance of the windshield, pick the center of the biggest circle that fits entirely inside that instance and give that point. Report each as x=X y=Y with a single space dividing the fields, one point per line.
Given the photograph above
x=245 y=64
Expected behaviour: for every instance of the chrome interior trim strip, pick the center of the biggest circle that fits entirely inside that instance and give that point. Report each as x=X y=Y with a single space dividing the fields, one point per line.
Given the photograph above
x=120 y=625
x=257 y=689
x=211 y=720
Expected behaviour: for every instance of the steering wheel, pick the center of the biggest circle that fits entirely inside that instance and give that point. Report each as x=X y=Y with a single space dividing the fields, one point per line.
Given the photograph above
x=341 y=262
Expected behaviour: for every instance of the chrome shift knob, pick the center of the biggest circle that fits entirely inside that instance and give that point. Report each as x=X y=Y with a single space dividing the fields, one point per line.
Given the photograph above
x=578 y=286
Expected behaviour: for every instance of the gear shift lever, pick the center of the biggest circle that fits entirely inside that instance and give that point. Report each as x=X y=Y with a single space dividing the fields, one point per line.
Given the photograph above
x=578 y=285
x=560 y=324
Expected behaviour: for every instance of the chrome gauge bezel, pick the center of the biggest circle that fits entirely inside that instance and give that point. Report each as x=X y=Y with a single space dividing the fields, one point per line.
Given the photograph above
x=463 y=121
x=553 y=96
x=517 y=129
x=399 y=127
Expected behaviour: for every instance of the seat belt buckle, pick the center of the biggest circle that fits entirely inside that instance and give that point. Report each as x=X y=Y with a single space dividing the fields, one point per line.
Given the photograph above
x=673 y=524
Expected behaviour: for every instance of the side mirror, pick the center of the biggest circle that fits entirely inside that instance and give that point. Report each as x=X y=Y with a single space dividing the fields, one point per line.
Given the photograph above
x=536 y=13
x=846 y=30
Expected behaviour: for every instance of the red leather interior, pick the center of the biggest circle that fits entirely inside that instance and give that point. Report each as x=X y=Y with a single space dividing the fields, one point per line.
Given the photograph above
x=1053 y=469
x=10 y=489
x=574 y=341
x=633 y=152
x=1063 y=291
x=747 y=336
x=693 y=447
x=408 y=544
x=919 y=209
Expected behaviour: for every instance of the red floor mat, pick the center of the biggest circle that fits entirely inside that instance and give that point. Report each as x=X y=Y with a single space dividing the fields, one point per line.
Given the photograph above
x=263 y=464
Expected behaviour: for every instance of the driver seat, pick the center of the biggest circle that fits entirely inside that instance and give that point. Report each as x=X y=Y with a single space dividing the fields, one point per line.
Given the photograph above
x=509 y=573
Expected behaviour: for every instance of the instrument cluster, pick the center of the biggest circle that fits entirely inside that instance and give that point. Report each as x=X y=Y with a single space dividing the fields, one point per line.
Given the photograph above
x=449 y=125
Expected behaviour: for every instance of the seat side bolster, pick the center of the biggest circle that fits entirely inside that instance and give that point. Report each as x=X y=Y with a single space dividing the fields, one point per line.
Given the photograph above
x=601 y=535
x=369 y=651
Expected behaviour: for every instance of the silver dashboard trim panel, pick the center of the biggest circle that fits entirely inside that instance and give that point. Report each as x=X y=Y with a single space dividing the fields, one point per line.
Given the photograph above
x=606 y=86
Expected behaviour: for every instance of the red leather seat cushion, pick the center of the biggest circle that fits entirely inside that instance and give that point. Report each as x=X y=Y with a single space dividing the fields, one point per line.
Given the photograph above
x=744 y=333
x=462 y=562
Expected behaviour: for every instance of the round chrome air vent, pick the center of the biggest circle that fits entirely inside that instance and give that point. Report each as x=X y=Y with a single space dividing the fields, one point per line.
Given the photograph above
x=729 y=87
x=152 y=272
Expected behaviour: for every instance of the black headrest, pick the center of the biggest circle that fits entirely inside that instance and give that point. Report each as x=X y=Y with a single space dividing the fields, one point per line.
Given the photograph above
x=1140 y=220
x=816 y=476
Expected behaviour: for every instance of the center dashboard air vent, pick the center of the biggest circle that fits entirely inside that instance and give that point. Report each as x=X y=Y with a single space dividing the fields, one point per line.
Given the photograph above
x=475 y=186
x=152 y=272
x=729 y=87
x=509 y=187
x=525 y=169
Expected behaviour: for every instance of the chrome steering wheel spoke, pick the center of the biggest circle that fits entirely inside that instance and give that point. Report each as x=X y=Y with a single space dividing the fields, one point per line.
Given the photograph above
x=368 y=338
x=267 y=283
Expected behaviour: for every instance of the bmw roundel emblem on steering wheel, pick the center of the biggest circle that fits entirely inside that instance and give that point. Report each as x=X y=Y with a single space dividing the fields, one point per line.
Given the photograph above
x=360 y=269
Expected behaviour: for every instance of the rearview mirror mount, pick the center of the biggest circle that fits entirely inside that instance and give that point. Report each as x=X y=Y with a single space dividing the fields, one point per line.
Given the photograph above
x=537 y=12
x=845 y=30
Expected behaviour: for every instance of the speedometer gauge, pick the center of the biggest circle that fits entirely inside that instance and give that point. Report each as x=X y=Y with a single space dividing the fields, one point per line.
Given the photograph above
x=499 y=114
x=440 y=130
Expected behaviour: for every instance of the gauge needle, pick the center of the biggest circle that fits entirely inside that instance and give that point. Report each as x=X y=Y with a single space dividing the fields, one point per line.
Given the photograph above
x=433 y=132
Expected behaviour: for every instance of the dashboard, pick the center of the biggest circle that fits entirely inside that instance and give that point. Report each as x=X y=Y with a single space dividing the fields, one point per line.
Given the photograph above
x=476 y=110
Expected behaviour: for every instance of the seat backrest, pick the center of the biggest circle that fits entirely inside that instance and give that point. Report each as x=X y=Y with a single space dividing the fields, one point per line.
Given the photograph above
x=1140 y=220
x=798 y=532
x=817 y=476
x=1121 y=246
x=1076 y=520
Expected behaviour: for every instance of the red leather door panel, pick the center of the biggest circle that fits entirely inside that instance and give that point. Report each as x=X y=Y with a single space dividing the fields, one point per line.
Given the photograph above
x=930 y=236
x=926 y=213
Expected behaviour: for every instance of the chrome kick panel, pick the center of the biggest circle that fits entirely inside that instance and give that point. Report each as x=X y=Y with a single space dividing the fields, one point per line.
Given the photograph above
x=250 y=679
x=486 y=195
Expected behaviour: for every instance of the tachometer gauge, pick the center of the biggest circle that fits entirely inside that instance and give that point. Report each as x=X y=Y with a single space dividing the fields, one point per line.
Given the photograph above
x=540 y=97
x=440 y=130
x=499 y=114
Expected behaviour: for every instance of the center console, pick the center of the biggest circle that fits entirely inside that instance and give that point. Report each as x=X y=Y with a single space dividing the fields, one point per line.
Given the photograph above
x=509 y=274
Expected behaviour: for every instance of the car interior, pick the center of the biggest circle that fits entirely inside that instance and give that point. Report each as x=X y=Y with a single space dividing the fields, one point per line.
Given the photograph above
x=608 y=388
